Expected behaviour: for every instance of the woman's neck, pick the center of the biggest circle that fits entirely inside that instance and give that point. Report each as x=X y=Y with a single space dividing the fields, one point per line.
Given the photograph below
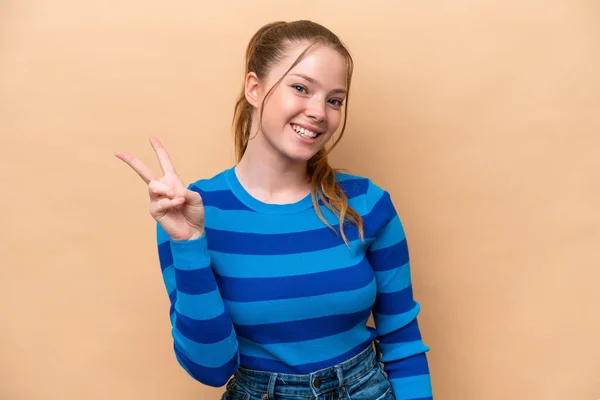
x=270 y=177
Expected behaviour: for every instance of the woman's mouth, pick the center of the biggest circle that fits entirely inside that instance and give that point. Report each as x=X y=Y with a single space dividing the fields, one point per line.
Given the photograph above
x=305 y=132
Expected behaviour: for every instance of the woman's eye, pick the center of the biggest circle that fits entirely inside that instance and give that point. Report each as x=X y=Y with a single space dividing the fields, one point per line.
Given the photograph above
x=336 y=102
x=299 y=88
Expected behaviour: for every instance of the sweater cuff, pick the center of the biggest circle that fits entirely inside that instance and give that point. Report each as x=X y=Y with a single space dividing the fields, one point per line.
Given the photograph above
x=412 y=388
x=190 y=254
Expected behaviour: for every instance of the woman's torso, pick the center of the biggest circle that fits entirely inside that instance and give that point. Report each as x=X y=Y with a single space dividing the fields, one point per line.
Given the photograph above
x=298 y=296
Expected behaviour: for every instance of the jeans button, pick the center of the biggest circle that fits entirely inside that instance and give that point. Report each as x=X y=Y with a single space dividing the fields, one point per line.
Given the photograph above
x=317 y=382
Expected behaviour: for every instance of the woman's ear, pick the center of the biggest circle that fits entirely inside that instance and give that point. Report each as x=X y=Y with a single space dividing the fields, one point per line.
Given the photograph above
x=251 y=89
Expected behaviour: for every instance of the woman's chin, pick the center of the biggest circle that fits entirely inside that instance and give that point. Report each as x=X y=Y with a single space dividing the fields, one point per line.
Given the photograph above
x=299 y=157
x=301 y=154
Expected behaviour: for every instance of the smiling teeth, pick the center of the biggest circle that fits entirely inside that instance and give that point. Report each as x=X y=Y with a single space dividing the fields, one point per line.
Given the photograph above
x=304 y=132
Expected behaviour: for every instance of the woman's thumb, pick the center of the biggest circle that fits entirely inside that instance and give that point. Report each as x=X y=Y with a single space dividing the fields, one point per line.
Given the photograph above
x=193 y=198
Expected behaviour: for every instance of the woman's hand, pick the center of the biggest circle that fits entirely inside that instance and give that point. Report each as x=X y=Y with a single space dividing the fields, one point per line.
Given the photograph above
x=179 y=211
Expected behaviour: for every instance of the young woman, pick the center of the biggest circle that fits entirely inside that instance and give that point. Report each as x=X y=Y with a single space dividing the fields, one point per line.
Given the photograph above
x=274 y=265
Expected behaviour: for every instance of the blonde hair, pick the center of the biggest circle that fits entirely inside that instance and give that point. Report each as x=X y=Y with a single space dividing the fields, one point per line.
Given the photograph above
x=267 y=47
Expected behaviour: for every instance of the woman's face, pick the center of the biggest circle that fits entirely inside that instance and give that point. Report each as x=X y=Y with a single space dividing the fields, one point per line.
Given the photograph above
x=304 y=110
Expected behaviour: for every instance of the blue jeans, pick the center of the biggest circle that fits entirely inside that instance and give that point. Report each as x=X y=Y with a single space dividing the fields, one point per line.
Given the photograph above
x=359 y=378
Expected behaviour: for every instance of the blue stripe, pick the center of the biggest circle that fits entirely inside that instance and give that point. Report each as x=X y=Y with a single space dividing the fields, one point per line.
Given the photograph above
x=391 y=234
x=168 y=275
x=222 y=199
x=391 y=323
x=263 y=289
x=277 y=244
x=209 y=355
x=195 y=281
x=302 y=308
x=253 y=222
x=395 y=303
x=394 y=280
x=172 y=298
x=199 y=306
x=205 y=331
x=408 y=333
x=389 y=257
x=270 y=266
x=212 y=376
x=297 y=331
x=381 y=214
x=165 y=256
x=353 y=187
x=264 y=364
x=315 y=350
x=411 y=366
x=397 y=351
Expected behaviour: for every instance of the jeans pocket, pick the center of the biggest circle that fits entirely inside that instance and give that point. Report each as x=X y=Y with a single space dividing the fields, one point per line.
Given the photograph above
x=374 y=385
x=234 y=392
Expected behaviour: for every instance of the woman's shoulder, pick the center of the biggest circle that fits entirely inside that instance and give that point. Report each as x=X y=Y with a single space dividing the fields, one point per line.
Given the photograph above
x=216 y=181
x=355 y=185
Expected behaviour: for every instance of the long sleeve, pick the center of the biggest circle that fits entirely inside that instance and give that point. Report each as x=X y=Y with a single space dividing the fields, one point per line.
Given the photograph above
x=204 y=340
x=403 y=352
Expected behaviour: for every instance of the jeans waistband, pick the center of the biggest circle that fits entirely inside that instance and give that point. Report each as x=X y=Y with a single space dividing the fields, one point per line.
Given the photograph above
x=315 y=383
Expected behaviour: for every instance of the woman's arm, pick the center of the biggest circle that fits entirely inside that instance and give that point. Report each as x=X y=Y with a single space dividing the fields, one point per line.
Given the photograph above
x=402 y=350
x=204 y=340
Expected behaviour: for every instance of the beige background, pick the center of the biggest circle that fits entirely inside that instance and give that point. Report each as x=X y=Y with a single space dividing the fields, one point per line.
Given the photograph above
x=481 y=118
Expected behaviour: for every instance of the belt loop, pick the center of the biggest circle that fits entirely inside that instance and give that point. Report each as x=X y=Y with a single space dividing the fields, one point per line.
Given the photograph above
x=311 y=385
x=340 y=375
x=271 y=387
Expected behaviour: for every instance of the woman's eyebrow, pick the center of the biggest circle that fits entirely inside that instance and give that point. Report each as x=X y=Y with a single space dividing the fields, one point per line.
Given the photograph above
x=313 y=81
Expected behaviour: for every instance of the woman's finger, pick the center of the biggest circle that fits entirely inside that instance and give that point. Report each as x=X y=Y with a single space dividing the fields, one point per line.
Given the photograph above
x=163 y=157
x=138 y=166
x=164 y=204
x=157 y=189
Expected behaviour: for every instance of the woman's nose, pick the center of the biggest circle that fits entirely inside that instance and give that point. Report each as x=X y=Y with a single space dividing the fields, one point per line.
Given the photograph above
x=316 y=110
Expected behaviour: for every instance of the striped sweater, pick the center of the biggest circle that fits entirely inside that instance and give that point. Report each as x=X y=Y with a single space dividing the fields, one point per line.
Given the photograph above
x=270 y=287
